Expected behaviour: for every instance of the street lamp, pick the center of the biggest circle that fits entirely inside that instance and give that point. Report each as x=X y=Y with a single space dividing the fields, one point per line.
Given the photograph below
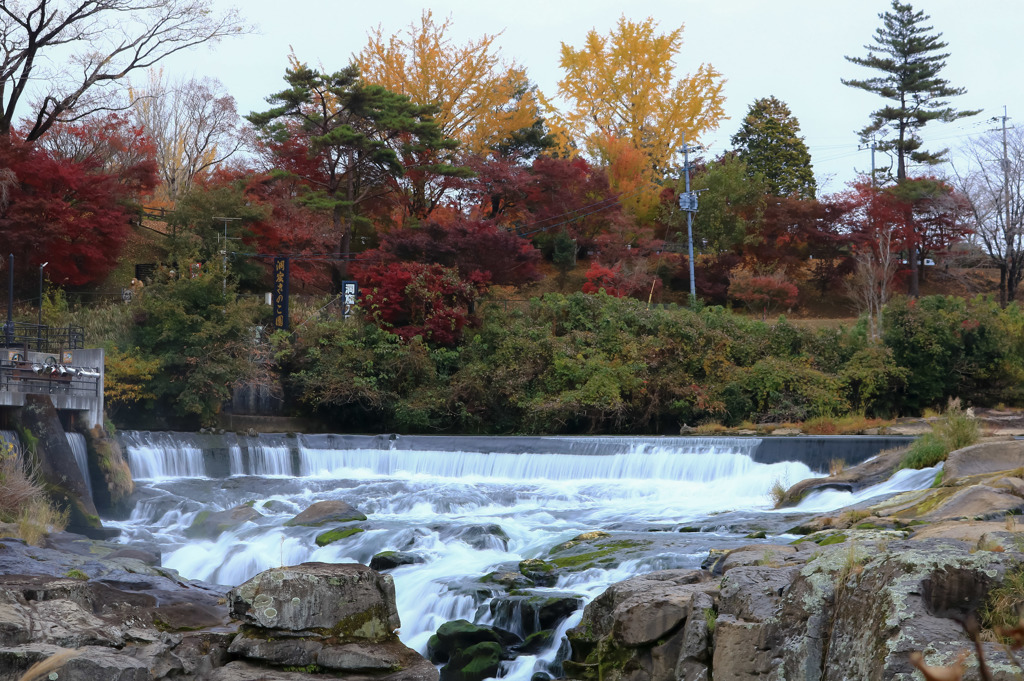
x=40 y=323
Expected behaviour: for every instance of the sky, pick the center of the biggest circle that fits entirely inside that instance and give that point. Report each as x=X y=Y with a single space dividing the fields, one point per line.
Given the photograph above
x=791 y=49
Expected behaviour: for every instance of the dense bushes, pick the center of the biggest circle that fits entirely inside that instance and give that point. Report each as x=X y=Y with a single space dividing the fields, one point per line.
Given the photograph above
x=575 y=363
x=596 y=363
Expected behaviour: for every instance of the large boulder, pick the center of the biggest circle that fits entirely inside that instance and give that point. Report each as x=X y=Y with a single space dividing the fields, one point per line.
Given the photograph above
x=987 y=457
x=208 y=525
x=330 y=511
x=349 y=601
x=645 y=628
x=58 y=470
x=323 y=617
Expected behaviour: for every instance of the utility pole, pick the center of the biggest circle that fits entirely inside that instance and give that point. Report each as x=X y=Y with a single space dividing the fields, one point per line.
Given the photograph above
x=872 y=148
x=688 y=203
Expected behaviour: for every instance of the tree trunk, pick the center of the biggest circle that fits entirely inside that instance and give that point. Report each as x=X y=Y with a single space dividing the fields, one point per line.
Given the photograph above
x=1003 y=299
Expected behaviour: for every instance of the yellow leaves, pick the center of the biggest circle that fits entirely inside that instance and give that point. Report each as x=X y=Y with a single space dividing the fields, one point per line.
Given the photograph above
x=127 y=377
x=480 y=98
x=623 y=87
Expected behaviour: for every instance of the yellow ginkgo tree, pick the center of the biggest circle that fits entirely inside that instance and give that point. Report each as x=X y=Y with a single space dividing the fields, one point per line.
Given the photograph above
x=622 y=88
x=481 y=99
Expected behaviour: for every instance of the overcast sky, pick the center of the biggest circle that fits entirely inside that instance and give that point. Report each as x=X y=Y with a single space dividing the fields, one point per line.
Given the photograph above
x=792 y=49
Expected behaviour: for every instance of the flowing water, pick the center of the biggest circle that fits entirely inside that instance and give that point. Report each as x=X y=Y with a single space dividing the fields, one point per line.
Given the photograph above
x=445 y=507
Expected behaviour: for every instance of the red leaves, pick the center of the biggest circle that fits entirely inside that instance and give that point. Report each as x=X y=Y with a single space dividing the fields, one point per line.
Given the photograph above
x=71 y=212
x=414 y=299
x=764 y=293
x=473 y=247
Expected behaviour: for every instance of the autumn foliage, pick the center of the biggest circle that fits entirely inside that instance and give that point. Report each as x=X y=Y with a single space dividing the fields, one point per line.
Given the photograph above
x=73 y=212
x=414 y=299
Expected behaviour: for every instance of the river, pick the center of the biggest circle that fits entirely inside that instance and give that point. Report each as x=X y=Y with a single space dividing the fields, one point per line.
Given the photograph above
x=446 y=505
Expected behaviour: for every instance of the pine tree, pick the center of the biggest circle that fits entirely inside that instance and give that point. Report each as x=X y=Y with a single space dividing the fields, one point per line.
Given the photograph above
x=769 y=142
x=910 y=58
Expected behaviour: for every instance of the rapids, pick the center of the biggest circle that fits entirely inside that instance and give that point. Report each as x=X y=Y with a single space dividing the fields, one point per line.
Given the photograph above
x=447 y=507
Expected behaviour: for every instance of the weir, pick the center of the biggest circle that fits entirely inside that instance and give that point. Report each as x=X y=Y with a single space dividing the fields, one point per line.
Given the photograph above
x=157 y=455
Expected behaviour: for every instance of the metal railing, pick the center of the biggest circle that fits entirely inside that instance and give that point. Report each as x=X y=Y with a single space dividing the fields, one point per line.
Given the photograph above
x=29 y=377
x=43 y=338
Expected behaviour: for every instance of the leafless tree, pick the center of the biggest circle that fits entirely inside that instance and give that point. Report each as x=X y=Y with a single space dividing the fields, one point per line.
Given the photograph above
x=995 y=188
x=875 y=265
x=60 y=53
x=192 y=124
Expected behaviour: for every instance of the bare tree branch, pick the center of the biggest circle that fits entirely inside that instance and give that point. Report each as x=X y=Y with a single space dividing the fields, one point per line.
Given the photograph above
x=107 y=39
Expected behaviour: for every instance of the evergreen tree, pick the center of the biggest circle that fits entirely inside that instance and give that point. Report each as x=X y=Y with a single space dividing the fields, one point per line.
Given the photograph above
x=910 y=58
x=769 y=142
x=350 y=142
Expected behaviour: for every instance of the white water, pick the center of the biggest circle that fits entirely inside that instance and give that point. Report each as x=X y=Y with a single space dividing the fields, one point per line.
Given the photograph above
x=77 y=443
x=905 y=480
x=261 y=459
x=438 y=505
x=158 y=456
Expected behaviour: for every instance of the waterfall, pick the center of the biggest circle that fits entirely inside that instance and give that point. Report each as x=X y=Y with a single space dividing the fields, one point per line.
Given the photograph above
x=77 y=443
x=262 y=458
x=162 y=455
x=700 y=461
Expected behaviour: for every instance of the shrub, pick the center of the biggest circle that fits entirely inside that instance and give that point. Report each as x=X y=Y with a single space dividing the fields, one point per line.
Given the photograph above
x=926 y=451
x=957 y=429
x=23 y=501
x=763 y=294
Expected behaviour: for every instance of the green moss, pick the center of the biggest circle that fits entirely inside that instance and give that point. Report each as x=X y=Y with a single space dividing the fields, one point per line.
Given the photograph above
x=332 y=536
x=588 y=559
x=756 y=535
x=838 y=538
x=75 y=573
x=868 y=526
x=196 y=528
x=306 y=669
x=534 y=565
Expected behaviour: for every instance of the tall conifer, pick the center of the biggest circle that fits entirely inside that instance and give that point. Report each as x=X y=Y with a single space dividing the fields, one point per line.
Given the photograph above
x=769 y=142
x=910 y=58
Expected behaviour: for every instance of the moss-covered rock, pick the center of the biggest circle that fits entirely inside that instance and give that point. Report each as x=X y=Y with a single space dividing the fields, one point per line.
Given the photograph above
x=331 y=536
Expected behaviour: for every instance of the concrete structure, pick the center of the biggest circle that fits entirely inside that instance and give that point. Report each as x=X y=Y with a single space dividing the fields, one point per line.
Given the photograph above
x=72 y=378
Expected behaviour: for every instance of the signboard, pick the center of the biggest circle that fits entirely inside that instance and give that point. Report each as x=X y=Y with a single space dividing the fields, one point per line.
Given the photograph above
x=280 y=293
x=349 y=296
x=67 y=357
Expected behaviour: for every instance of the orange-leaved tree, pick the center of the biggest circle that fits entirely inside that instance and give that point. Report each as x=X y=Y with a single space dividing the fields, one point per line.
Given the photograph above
x=623 y=87
x=481 y=99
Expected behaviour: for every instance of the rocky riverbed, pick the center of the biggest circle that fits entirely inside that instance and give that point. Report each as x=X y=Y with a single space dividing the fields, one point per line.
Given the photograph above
x=847 y=595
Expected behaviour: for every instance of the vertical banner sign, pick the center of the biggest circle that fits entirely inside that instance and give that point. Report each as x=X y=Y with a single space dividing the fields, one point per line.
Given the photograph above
x=349 y=295
x=281 y=293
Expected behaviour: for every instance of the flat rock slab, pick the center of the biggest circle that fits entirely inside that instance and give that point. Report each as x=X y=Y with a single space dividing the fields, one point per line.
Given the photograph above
x=987 y=457
x=975 y=502
x=970 y=531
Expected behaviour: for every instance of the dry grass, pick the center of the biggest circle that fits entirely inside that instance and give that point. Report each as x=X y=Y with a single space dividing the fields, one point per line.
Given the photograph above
x=712 y=428
x=777 y=492
x=852 y=424
x=23 y=502
x=43 y=669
